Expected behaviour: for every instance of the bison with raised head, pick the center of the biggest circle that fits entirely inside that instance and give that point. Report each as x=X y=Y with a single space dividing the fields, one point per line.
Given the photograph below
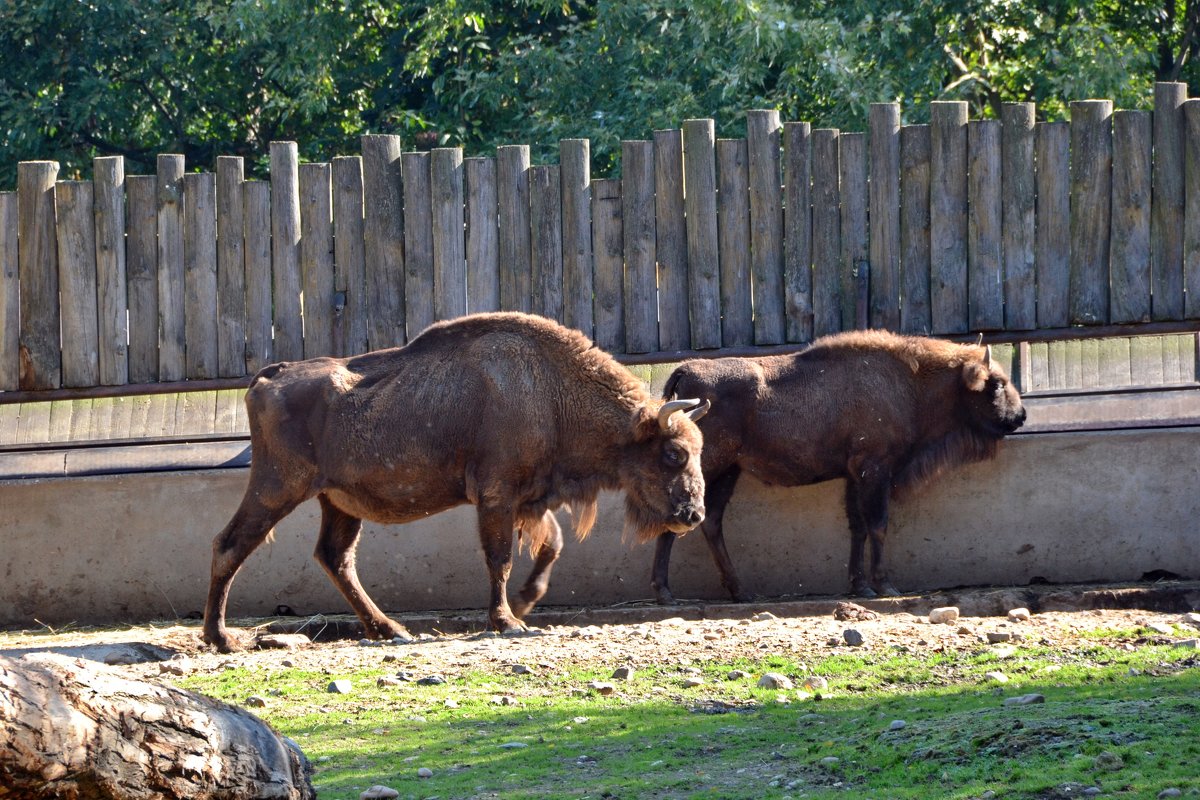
x=883 y=411
x=511 y=412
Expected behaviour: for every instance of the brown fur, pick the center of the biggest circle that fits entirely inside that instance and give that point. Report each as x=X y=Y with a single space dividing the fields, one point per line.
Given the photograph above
x=886 y=412
x=511 y=412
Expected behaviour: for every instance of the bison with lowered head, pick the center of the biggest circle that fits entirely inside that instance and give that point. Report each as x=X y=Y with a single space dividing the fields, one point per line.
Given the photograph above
x=883 y=411
x=510 y=412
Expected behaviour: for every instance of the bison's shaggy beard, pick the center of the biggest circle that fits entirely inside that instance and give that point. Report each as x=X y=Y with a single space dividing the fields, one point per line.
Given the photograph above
x=955 y=448
x=642 y=524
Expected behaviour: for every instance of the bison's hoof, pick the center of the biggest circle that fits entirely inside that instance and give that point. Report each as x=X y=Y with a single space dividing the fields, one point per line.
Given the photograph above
x=664 y=597
x=522 y=607
x=863 y=591
x=743 y=597
x=507 y=624
x=224 y=642
x=887 y=590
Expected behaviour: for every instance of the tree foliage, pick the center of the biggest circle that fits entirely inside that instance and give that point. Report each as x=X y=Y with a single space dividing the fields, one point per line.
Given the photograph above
x=80 y=78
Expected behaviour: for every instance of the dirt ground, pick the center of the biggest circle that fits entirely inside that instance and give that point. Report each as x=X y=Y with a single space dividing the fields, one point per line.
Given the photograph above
x=644 y=635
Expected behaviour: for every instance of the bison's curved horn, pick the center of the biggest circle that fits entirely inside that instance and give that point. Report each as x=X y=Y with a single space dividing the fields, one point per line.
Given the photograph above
x=987 y=357
x=671 y=407
x=699 y=411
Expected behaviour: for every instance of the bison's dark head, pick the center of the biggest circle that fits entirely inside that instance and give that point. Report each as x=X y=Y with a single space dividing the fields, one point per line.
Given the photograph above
x=660 y=470
x=993 y=403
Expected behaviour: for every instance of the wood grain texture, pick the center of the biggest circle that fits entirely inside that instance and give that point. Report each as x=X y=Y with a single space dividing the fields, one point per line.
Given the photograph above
x=855 y=257
x=763 y=143
x=172 y=337
x=316 y=257
x=349 y=257
x=797 y=231
x=638 y=228
x=1129 y=263
x=1018 y=224
x=418 y=243
x=671 y=246
x=884 y=215
x=733 y=227
x=141 y=274
x=483 y=235
x=285 y=251
x=827 y=235
x=10 y=298
x=449 y=235
x=1052 y=245
x=985 y=282
x=545 y=240
x=1167 y=206
x=256 y=202
x=915 y=308
x=608 y=249
x=76 y=231
x=37 y=273
x=383 y=240
x=703 y=248
x=575 y=180
x=948 y=217
x=108 y=179
x=1191 y=219
x=231 y=268
x=512 y=193
x=1091 y=210
x=200 y=275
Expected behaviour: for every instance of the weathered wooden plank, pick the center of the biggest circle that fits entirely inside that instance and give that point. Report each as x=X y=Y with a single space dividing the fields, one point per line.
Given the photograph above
x=1073 y=356
x=733 y=234
x=797 y=231
x=418 y=242
x=512 y=195
x=1114 y=361
x=1167 y=208
x=637 y=217
x=483 y=235
x=855 y=259
x=9 y=415
x=315 y=189
x=608 y=248
x=76 y=220
x=1019 y=230
x=763 y=132
x=884 y=215
x=10 y=298
x=948 y=217
x=81 y=420
x=674 y=328
x=449 y=257
x=231 y=268
x=59 y=429
x=256 y=200
x=545 y=240
x=37 y=273
x=1039 y=372
x=101 y=419
x=1146 y=360
x=1089 y=358
x=160 y=415
x=122 y=417
x=172 y=337
x=700 y=220
x=33 y=426
x=1129 y=264
x=1056 y=365
x=1091 y=209
x=915 y=310
x=285 y=251
x=139 y=415
x=827 y=236
x=350 y=272
x=984 y=226
x=1191 y=217
x=1052 y=246
x=225 y=410
x=200 y=274
x=575 y=178
x=195 y=412
x=383 y=240
x=112 y=314
x=141 y=272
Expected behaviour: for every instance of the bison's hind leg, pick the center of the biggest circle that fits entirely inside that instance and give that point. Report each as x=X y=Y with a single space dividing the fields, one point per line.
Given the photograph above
x=335 y=553
x=867 y=496
x=546 y=545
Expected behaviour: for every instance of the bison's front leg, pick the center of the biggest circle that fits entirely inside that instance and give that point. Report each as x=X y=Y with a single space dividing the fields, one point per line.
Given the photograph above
x=336 y=554
x=867 y=493
x=547 y=540
x=660 y=572
x=496 y=535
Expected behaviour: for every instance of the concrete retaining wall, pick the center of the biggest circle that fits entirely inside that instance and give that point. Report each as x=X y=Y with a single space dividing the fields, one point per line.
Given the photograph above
x=1067 y=507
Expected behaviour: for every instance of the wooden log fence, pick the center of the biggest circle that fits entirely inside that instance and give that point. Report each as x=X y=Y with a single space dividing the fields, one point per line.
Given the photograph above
x=1010 y=227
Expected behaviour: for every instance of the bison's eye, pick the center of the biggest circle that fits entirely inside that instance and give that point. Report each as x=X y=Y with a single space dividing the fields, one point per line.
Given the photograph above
x=675 y=456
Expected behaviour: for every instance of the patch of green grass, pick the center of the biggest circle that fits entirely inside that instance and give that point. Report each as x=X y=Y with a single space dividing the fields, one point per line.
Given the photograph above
x=1121 y=720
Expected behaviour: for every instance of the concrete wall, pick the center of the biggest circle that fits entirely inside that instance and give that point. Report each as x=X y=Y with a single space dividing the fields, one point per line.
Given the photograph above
x=1063 y=507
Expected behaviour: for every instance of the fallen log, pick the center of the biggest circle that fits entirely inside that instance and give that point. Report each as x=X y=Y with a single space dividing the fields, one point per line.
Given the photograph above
x=72 y=729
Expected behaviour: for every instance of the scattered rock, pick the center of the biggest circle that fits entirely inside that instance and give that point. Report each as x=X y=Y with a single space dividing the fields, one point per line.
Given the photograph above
x=370 y=643
x=845 y=610
x=283 y=641
x=1161 y=627
x=1109 y=761
x=775 y=680
x=513 y=746
x=1191 y=618
x=1004 y=651
x=852 y=637
x=964 y=630
x=833 y=641
x=1172 y=792
x=1025 y=700
x=897 y=724
x=402 y=639
x=601 y=687
x=996 y=637
x=815 y=683
x=763 y=616
x=737 y=675
x=520 y=669
x=693 y=682
x=998 y=677
x=256 y=701
x=1019 y=615
x=450 y=702
x=830 y=760
x=179 y=665
x=946 y=615
x=388 y=681
x=424 y=772
x=339 y=687
x=1190 y=644
x=432 y=680
x=504 y=700
x=379 y=793
x=622 y=673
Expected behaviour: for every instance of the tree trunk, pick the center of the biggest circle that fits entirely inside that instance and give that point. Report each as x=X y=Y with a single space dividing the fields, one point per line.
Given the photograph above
x=70 y=729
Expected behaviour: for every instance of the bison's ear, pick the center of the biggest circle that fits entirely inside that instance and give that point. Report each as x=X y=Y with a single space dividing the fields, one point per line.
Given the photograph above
x=975 y=376
x=645 y=423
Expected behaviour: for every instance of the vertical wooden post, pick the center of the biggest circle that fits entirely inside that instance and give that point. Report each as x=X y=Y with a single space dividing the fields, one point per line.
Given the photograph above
x=449 y=256
x=200 y=275
x=1191 y=219
x=483 y=235
x=637 y=217
x=109 y=198
x=1091 y=209
x=350 y=275
x=512 y=193
x=141 y=274
x=575 y=177
x=763 y=132
x=608 y=248
x=884 y=215
x=703 y=253
x=545 y=241
x=948 y=217
x=231 y=268
x=75 y=225
x=674 y=330
x=984 y=279
x=1130 y=254
x=256 y=200
x=1167 y=205
x=10 y=308
x=285 y=251
x=316 y=257
x=418 y=243
x=797 y=231
x=915 y=311
x=1053 y=224
x=733 y=233
x=383 y=240
x=1019 y=232
x=827 y=232
x=852 y=161
x=171 y=332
